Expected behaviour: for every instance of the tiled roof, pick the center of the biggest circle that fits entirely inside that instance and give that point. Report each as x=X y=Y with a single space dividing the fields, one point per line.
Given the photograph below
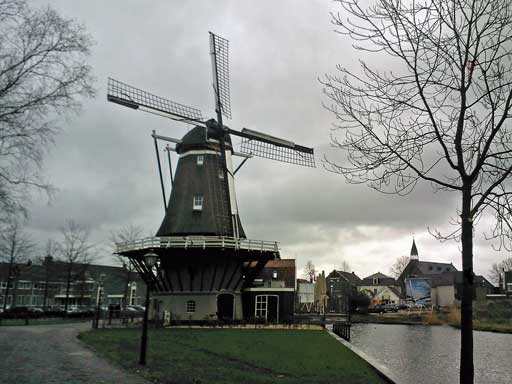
x=351 y=277
x=282 y=263
x=377 y=275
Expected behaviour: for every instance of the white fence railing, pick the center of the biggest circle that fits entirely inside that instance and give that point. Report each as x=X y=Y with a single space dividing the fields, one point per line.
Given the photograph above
x=203 y=242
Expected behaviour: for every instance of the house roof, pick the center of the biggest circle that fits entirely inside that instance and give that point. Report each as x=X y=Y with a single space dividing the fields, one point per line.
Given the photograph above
x=417 y=268
x=285 y=271
x=348 y=276
x=391 y=289
x=280 y=263
x=382 y=281
x=378 y=275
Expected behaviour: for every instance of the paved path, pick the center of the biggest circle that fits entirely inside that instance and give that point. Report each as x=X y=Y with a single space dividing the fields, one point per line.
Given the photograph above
x=50 y=354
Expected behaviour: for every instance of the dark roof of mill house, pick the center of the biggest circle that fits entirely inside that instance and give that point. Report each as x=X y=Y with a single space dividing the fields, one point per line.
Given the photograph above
x=285 y=271
x=193 y=179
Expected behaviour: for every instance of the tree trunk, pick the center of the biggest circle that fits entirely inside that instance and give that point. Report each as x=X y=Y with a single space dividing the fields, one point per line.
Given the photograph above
x=466 y=324
x=68 y=284
x=6 y=295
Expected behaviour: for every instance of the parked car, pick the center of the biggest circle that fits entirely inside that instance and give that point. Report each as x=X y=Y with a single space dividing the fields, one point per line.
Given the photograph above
x=379 y=308
x=390 y=308
x=21 y=312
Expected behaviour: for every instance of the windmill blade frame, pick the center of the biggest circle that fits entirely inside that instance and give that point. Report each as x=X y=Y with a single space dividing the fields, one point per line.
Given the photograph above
x=135 y=98
x=219 y=51
x=270 y=147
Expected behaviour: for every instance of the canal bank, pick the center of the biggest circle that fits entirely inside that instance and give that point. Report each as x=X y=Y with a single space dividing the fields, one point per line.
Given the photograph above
x=381 y=370
x=430 y=354
x=427 y=319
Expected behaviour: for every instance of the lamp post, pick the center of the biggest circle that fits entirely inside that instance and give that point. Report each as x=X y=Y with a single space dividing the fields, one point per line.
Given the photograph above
x=98 y=307
x=150 y=261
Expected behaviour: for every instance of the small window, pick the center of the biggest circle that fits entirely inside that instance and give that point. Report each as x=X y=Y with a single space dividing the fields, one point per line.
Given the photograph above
x=221 y=174
x=439 y=268
x=198 y=203
x=430 y=268
x=191 y=306
x=274 y=274
x=200 y=159
x=375 y=281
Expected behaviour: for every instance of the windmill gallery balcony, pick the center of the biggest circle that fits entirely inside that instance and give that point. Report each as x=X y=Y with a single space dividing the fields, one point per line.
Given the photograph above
x=201 y=242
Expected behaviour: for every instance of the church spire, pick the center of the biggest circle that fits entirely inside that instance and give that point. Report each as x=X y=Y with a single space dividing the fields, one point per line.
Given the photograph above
x=414 y=250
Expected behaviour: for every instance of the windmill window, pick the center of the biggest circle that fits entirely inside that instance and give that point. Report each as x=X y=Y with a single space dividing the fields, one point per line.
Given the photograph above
x=261 y=306
x=191 y=306
x=198 y=203
x=200 y=159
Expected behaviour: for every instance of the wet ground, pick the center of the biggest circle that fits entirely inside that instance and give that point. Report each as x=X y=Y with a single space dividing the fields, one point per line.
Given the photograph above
x=52 y=354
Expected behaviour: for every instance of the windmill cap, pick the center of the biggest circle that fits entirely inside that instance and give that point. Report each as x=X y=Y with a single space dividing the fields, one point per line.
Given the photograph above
x=196 y=139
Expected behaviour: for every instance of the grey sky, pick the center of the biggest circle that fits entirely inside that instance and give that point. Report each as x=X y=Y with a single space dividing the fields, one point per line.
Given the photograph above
x=104 y=163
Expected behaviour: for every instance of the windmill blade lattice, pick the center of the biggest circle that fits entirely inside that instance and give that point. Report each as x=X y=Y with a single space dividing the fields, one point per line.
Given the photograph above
x=219 y=49
x=131 y=97
x=298 y=155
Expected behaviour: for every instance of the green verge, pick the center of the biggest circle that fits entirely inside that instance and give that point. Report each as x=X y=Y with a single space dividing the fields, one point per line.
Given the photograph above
x=227 y=356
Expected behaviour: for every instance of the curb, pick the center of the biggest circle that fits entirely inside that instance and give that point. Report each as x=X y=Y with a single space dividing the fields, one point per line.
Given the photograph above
x=381 y=370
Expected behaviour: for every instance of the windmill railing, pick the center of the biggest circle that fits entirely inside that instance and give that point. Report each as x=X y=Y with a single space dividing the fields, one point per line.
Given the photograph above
x=204 y=242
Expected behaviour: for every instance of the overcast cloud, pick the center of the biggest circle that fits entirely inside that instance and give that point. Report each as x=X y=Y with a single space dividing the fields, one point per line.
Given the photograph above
x=104 y=163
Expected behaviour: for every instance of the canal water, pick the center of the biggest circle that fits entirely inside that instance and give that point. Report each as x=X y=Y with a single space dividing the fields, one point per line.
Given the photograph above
x=430 y=354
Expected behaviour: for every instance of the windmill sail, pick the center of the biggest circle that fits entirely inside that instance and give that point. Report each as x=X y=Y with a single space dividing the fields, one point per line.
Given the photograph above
x=260 y=144
x=131 y=97
x=219 y=50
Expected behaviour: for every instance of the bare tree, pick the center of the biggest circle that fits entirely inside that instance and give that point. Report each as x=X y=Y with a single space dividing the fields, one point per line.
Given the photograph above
x=129 y=232
x=75 y=251
x=309 y=271
x=43 y=72
x=344 y=266
x=440 y=116
x=16 y=248
x=398 y=266
x=498 y=268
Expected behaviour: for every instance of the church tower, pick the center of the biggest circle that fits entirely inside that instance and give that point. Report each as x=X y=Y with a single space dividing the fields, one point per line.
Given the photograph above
x=414 y=251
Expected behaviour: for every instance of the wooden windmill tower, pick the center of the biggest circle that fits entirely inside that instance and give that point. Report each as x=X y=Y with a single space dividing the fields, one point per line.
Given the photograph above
x=205 y=258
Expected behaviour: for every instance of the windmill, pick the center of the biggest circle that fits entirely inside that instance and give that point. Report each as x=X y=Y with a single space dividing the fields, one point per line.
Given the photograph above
x=202 y=247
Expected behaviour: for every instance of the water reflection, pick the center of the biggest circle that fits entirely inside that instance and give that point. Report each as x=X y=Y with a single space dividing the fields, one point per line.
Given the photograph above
x=430 y=355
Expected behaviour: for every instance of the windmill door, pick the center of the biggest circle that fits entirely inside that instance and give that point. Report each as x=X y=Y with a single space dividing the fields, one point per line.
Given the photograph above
x=273 y=309
x=226 y=306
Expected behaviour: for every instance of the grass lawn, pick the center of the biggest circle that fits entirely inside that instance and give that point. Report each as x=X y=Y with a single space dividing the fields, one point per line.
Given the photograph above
x=234 y=356
x=47 y=321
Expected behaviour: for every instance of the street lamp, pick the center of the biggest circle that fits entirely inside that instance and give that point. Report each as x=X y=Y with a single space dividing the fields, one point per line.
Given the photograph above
x=100 y=293
x=150 y=259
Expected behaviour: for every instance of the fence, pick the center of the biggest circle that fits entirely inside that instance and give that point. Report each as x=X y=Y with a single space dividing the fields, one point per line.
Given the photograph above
x=342 y=329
